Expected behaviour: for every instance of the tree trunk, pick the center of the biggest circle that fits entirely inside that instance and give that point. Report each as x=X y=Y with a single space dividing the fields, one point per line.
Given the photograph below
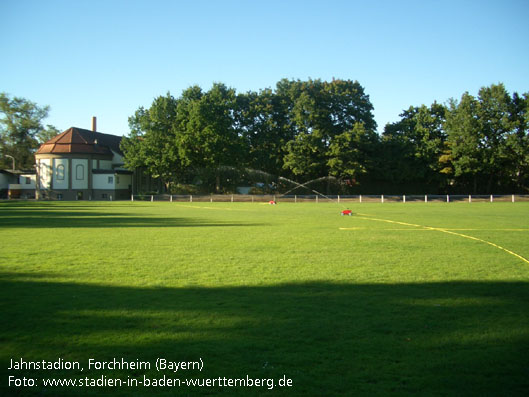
x=489 y=184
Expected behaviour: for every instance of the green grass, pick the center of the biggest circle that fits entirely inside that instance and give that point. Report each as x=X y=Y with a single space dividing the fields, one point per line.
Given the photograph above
x=355 y=305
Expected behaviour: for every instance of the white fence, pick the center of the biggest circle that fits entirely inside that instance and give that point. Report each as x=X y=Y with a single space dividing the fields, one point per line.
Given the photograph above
x=315 y=198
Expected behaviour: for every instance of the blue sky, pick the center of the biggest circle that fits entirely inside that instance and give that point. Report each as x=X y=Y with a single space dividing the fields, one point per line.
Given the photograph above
x=106 y=58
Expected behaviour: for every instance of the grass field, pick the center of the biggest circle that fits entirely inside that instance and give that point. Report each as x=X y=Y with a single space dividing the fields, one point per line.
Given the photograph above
x=399 y=299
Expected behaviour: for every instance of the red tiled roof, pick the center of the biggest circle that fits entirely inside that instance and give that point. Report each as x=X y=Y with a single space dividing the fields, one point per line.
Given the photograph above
x=78 y=140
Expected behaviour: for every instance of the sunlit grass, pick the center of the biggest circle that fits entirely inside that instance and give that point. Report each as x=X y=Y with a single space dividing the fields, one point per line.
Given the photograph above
x=361 y=305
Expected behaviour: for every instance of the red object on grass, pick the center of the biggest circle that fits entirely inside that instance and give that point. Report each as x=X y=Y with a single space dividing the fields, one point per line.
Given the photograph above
x=272 y=202
x=347 y=212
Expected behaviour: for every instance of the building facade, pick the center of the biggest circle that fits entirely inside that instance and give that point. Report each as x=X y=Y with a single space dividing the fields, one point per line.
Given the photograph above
x=81 y=164
x=17 y=184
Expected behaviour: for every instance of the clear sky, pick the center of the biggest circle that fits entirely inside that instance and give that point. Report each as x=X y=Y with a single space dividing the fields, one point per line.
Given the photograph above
x=106 y=58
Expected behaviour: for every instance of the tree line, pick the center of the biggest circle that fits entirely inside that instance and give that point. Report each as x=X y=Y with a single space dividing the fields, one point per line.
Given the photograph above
x=22 y=131
x=219 y=139
x=474 y=145
x=305 y=130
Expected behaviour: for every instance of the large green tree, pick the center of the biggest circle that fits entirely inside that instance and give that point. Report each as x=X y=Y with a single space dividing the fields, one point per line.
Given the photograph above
x=262 y=121
x=319 y=112
x=21 y=130
x=306 y=156
x=208 y=138
x=150 y=143
x=517 y=143
x=418 y=141
x=479 y=133
x=350 y=155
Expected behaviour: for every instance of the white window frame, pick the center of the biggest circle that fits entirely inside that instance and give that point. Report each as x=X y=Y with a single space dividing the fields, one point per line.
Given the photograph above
x=81 y=168
x=60 y=172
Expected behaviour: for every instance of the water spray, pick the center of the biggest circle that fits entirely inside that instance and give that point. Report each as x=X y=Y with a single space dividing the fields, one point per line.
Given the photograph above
x=307 y=183
x=312 y=190
x=269 y=176
x=344 y=212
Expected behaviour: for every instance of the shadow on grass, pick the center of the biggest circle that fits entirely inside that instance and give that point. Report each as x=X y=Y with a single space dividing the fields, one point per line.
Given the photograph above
x=449 y=338
x=37 y=216
x=58 y=205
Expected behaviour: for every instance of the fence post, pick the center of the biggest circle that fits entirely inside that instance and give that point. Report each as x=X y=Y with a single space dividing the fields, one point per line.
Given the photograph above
x=338 y=198
x=403 y=198
x=425 y=198
x=382 y=198
x=252 y=198
x=295 y=198
x=275 y=199
x=316 y=198
x=232 y=198
x=211 y=198
x=152 y=198
x=512 y=198
x=360 y=198
x=447 y=198
x=469 y=198
x=491 y=198
x=131 y=197
x=171 y=199
x=190 y=198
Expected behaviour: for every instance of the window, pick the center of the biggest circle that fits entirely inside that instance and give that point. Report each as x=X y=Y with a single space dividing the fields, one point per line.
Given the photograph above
x=79 y=172
x=28 y=180
x=110 y=180
x=104 y=195
x=117 y=180
x=60 y=172
x=59 y=196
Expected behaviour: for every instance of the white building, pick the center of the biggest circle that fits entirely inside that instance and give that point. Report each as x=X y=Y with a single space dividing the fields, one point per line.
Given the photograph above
x=80 y=164
x=17 y=184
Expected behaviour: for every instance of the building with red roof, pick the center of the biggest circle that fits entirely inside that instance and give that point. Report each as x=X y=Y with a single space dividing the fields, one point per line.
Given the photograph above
x=81 y=164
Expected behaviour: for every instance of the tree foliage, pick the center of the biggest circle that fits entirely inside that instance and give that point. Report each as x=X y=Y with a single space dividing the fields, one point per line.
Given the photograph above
x=311 y=129
x=416 y=144
x=151 y=141
x=210 y=139
x=351 y=153
x=21 y=130
x=488 y=138
x=289 y=131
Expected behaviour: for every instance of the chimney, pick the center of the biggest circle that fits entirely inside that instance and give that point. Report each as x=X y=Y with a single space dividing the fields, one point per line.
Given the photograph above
x=94 y=124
